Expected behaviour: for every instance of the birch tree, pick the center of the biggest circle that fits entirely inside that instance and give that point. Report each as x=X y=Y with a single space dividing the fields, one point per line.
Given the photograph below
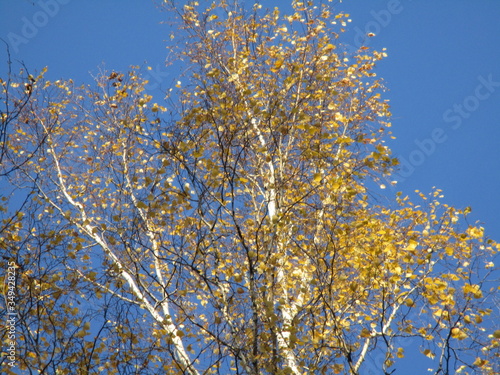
x=236 y=221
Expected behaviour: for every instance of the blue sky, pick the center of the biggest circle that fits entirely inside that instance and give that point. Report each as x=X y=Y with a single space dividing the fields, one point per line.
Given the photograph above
x=442 y=71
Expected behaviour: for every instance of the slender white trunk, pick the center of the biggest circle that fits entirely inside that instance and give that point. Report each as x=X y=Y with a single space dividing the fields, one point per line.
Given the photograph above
x=288 y=309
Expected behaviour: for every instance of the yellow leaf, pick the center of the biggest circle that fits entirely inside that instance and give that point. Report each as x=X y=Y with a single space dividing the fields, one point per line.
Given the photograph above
x=458 y=334
x=429 y=353
x=317 y=178
x=277 y=66
x=475 y=232
x=141 y=205
x=409 y=302
x=400 y=353
x=473 y=289
x=480 y=362
x=412 y=245
x=365 y=333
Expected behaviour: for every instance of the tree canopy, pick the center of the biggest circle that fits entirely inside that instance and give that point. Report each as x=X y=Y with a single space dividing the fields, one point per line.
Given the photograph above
x=233 y=228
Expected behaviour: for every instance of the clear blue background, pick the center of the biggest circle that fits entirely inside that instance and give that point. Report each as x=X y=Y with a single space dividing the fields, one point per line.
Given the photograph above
x=437 y=52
